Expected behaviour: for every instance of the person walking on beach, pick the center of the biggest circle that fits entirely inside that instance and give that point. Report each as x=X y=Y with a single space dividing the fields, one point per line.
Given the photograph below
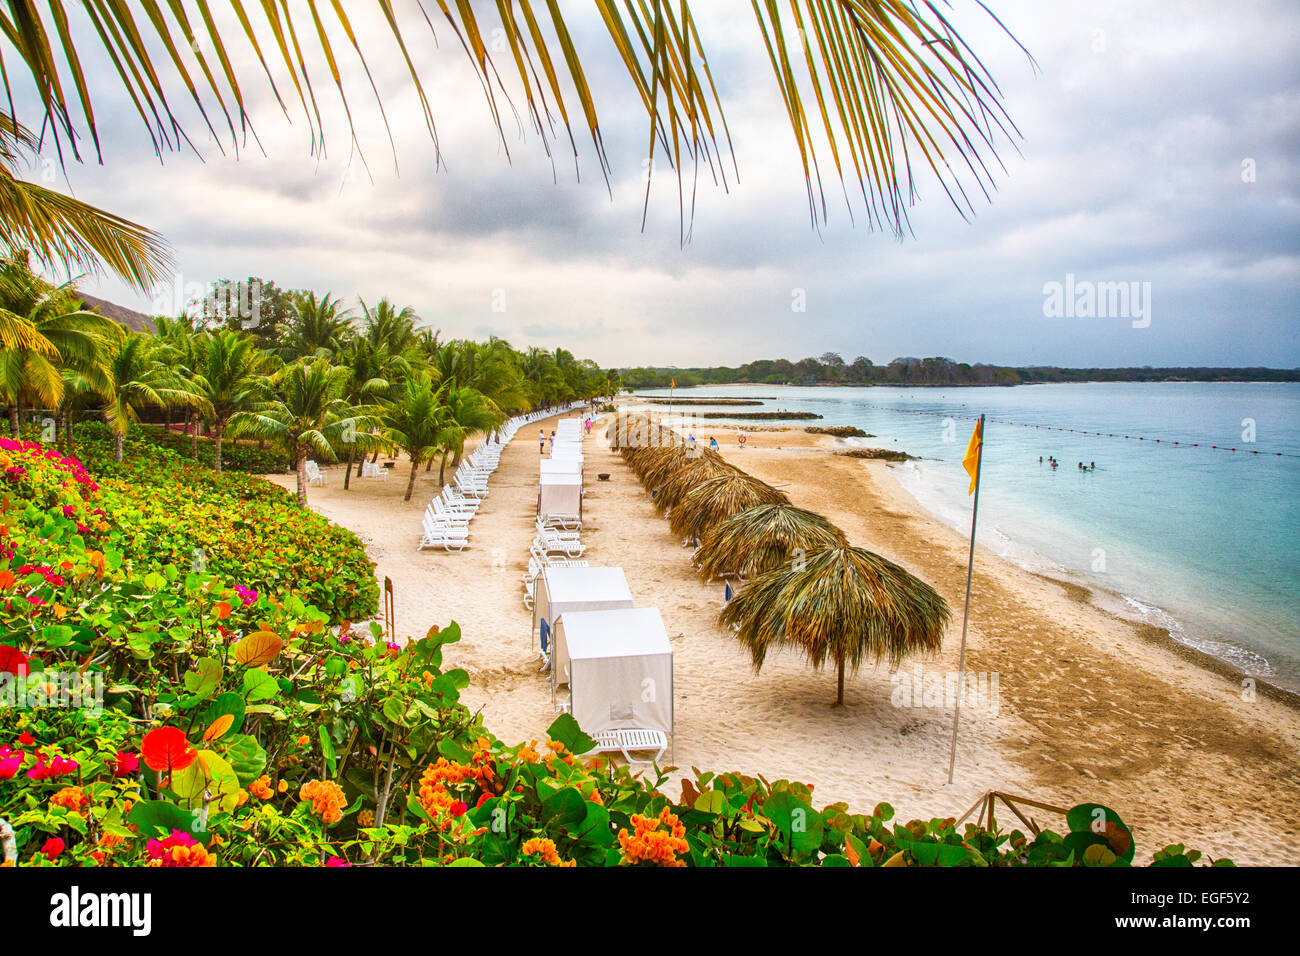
x=713 y=443
x=541 y=441
x=550 y=442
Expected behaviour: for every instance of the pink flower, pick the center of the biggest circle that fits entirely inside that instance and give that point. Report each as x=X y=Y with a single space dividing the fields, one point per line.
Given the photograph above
x=337 y=861
x=10 y=761
x=57 y=767
x=69 y=510
x=458 y=809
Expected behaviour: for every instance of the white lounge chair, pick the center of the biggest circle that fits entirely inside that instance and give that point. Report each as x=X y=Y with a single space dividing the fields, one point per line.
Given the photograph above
x=627 y=742
x=441 y=536
x=314 y=475
x=571 y=548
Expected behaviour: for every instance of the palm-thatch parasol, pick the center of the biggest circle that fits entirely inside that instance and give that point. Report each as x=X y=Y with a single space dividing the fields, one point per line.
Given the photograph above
x=842 y=605
x=686 y=475
x=719 y=498
x=761 y=539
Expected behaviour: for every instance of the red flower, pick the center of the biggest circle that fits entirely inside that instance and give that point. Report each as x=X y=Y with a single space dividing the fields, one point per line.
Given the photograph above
x=53 y=847
x=166 y=749
x=127 y=763
x=12 y=661
x=26 y=739
x=458 y=809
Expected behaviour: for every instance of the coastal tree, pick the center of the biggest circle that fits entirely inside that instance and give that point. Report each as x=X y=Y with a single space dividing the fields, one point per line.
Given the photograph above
x=138 y=377
x=307 y=415
x=415 y=422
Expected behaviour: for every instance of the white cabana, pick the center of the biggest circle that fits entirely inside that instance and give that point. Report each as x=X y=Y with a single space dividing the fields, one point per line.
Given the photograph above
x=577 y=589
x=559 y=495
x=559 y=466
x=619 y=669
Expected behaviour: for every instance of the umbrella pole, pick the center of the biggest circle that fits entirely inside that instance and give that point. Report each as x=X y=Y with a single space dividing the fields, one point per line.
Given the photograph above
x=965 y=614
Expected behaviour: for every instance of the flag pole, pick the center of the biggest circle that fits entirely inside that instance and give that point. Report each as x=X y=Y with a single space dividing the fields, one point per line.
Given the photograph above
x=965 y=614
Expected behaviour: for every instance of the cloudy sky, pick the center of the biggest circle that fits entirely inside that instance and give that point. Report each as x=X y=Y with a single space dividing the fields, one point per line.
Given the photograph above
x=1137 y=128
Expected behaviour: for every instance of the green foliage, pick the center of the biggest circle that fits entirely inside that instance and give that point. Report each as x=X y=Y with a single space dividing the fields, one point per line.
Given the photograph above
x=236 y=728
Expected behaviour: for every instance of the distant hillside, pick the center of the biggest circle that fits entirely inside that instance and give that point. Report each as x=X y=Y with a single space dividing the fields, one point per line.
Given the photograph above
x=133 y=320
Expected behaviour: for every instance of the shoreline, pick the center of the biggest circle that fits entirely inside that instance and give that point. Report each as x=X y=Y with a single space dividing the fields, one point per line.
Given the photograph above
x=1085 y=592
x=1088 y=592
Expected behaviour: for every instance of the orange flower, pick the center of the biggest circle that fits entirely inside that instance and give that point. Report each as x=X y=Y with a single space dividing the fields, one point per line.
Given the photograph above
x=282 y=786
x=327 y=800
x=72 y=798
x=303 y=740
x=546 y=850
x=261 y=788
x=654 y=846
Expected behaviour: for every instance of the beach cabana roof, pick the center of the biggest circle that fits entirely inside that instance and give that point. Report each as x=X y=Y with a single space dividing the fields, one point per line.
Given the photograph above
x=619 y=668
x=577 y=589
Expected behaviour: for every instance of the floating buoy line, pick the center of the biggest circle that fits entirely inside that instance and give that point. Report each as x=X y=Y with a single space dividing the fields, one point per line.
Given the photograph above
x=1083 y=431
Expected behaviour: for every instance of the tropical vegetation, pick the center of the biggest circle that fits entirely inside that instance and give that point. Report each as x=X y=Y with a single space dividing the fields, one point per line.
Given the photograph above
x=168 y=703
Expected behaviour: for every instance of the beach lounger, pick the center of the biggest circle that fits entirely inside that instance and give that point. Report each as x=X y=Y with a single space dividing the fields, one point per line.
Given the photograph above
x=569 y=547
x=441 y=536
x=314 y=475
x=628 y=742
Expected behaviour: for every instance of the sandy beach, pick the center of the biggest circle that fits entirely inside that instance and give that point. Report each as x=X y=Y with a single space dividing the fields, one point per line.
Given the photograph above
x=1086 y=706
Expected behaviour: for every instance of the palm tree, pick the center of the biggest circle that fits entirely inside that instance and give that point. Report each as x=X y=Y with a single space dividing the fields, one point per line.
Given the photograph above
x=416 y=423
x=719 y=498
x=227 y=377
x=843 y=605
x=390 y=328
x=467 y=412
x=319 y=328
x=140 y=378
x=45 y=332
x=763 y=538
x=372 y=372
x=306 y=416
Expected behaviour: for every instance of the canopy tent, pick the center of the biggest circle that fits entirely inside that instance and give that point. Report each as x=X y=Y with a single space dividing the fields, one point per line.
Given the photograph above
x=560 y=466
x=619 y=668
x=559 y=495
x=576 y=589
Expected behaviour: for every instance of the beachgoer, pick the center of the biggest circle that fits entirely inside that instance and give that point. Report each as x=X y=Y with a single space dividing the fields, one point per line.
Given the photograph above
x=713 y=443
x=541 y=441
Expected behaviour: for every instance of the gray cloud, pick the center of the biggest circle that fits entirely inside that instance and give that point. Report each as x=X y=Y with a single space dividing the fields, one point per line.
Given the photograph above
x=1135 y=133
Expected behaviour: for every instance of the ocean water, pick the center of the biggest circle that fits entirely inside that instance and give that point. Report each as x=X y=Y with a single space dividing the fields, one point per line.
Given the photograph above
x=1201 y=541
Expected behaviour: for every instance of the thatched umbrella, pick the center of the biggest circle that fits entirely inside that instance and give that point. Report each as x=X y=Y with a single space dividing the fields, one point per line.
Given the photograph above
x=719 y=498
x=761 y=539
x=843 y=605
x=686 y=475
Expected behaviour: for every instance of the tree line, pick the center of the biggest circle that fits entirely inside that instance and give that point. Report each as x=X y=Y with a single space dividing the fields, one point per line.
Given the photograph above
x=296 y=369
x=831 y=369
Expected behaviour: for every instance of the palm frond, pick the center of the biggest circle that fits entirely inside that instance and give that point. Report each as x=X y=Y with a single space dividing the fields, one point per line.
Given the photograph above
x=717 y=499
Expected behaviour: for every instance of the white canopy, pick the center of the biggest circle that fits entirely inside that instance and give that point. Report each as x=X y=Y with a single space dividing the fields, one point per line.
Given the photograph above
x=560 y=466
x=619 y=668
x=559 y=495
x=577 y=589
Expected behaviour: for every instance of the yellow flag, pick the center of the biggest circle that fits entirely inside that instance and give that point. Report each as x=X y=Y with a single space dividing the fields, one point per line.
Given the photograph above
x=674 y=384
x=971 y=461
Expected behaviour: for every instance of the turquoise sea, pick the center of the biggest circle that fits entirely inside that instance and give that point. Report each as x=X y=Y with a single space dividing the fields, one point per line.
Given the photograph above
x=1202 y=541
